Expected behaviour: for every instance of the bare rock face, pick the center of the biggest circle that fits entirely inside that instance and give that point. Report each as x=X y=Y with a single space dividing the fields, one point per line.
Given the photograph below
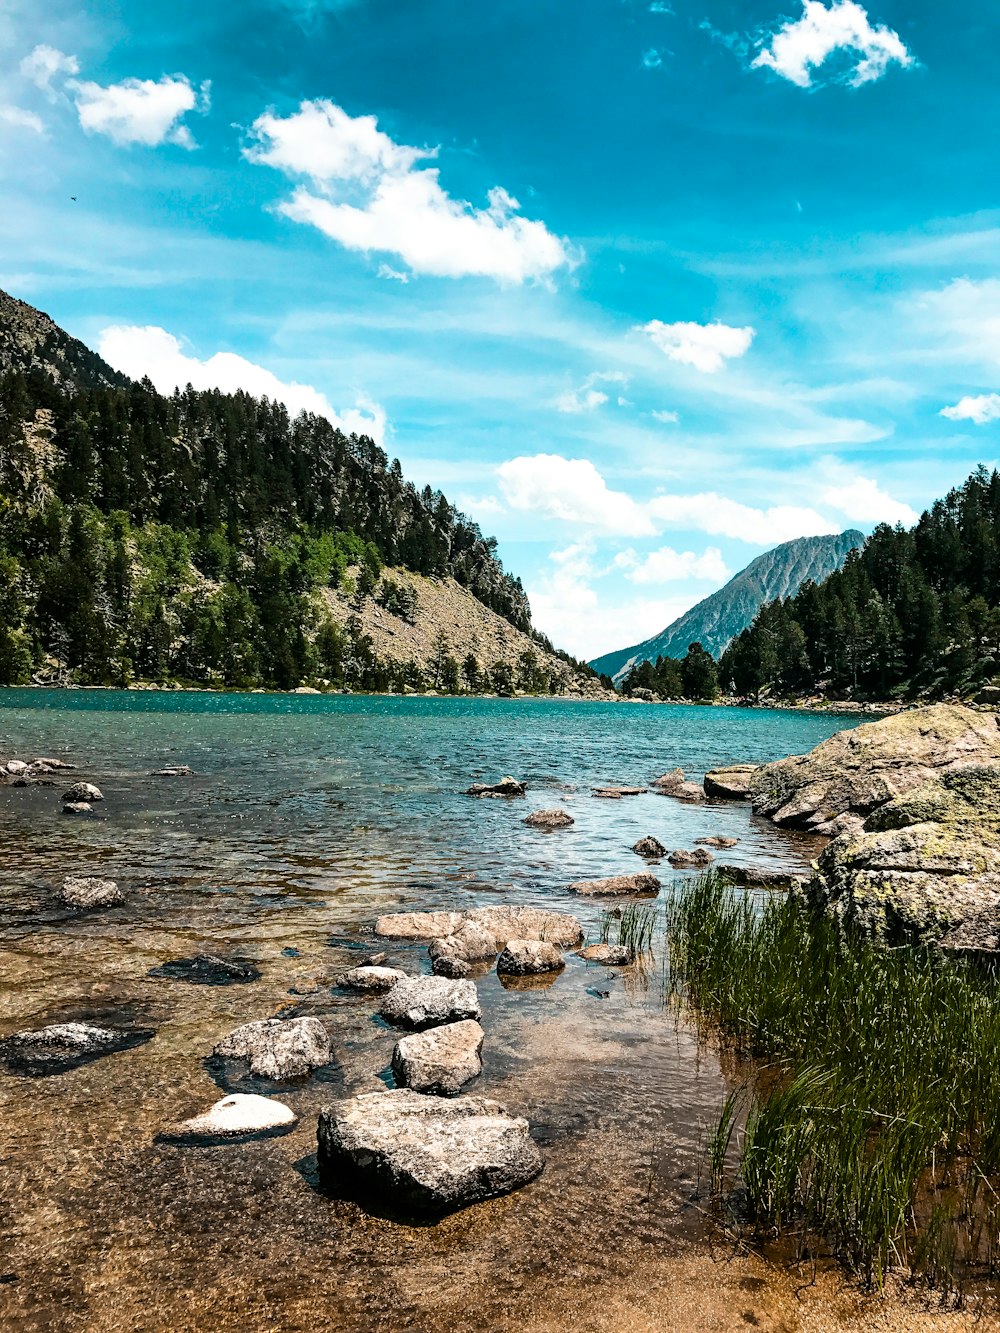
x=279 y=1048
x=610 y=955
x=441 y=1060
x=857 y=771
x=504 y=788
x=240 y=1115
x=926 y=864
x=730 y=784
x=651 y=848
x=81 y=891
x=417 y=925
x=424 y=1002
x=370 y=978
x=549 y=819
x=618 y=886
x=716 y=840
x=521 y=958
x=424 y=1155
x=82 y=792
x=699 y=857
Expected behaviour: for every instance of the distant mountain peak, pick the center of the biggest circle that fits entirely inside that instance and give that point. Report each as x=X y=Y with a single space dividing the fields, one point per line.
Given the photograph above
x=716 y=620
x=30 y=340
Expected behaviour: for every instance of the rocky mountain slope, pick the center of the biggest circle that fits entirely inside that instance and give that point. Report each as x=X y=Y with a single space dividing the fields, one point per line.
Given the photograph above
x=716 y=620
x=31 y=341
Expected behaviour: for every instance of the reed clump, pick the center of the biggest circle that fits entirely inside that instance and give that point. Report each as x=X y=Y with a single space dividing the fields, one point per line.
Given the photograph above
x=633 y=927
x=873 y=1118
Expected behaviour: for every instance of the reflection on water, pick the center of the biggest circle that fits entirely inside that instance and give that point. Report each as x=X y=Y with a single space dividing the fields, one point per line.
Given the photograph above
x=305 y=818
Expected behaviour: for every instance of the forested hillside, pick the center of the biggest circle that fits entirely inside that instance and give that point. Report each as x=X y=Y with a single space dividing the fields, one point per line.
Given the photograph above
x=193 y=537
x=914 y=614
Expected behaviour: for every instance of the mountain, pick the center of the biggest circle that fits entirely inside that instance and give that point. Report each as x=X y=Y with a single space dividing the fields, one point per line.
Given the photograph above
x=716 y=620
x=210 y=539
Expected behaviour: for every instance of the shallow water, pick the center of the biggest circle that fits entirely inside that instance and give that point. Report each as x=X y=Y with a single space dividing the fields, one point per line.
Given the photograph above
x=306 y=817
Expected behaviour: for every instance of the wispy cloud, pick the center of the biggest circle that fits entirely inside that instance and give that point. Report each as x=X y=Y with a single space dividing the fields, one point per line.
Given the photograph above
x=588 y=396
x=652 y=59
x=800 y=46
x=20 y=119
x=45 y=65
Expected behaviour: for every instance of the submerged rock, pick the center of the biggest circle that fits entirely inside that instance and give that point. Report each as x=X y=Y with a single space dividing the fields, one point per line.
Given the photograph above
x=77 y=808
x=716 y=840
x=924 y=863
x=81 y=891
x=238 y=1116
x=278 y=1048
x=549 y=819
x=699 y=857
x=651 y=848
x=82 y=792
x=857 y=771
x=424 y=1155
x=64 y=1046
x=370 y=978
x=730 y=784
x=610 y=955
x=505 y=787
x=423 y=1002
x=439 y=1061
x=617 y=886
x=527 y=957
x=204 y=969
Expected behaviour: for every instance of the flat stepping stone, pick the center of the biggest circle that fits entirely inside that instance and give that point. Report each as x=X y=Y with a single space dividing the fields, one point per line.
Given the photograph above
x=84 y=891
x=64 y=1046
x=278 y=1048
x=423 y=1002
x=439 y=1061
x=616 y=793
x=370 y=978
x=424 y=1155
x=417 y=925
x=730 y=784
x=618 y=886
x=239 y=1116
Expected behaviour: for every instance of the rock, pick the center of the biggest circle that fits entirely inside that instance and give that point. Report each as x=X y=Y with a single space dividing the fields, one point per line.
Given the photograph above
x=924 y=864
x=373 y=960
x=51 y=765
x=439 y=1061
x=699 y=857
x=238 y=1116
x=606 y=794
x=610 y=955
x=857 y=771
x=617 y=792
x=989 y=695
x=649 y=847
x=82 y=792
x=730 y=784
x=549 y=819
x=311 y=983
x=758 y=877
x=687 y=791
x=444 y=965
x=417 y=925
x=716 y=840
x=178 y=771
x=645 y=886
x=978 y=935
x=370 y=978
x=422 y=1154
x=472 y=942
x=521 y=958
x=204 y=969
x=77 y=808
x=64 y=1046
x=84 y=892
x=529 y=923
x=669 y=782
x=278 y=1048
x=423 y=1002
x=505 y=787
x=15 y=767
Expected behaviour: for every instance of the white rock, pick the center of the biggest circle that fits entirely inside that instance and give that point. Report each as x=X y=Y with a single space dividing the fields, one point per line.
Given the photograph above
x=417 y=925
x=239 y=1113
x=278 y=1048
x=371 y=978
x=83 y=791
x=81 y=891
x=16 y=767
x=441 y=1060
x=422 y=1002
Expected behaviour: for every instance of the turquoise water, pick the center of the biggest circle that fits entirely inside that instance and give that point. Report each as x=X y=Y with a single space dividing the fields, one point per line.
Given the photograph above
x=306 y=817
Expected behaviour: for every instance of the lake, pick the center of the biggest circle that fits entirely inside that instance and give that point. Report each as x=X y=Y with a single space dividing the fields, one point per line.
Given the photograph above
x=306 y=817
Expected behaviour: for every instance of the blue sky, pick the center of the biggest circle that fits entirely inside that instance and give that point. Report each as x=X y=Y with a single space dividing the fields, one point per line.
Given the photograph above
x=644 y=287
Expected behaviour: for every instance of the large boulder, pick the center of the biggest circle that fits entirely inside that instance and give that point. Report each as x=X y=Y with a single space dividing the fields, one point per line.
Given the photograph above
x=730 y=784
x=924 y=863
x=529 y=923
x=85 y=891
x=424 y=1002
x=417 y=925
x=278 y=1048
x=417 y=1154
x=855 y=772
x=440 y=1060
x=618 y=886
x=523 y=958
x=241 y=1115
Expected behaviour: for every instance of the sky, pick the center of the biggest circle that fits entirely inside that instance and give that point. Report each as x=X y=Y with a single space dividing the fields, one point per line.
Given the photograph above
x=644 y=286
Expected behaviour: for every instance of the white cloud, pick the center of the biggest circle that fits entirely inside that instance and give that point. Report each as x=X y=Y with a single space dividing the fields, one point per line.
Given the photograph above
x=139 y=111
x=861 y=499
x=392 y=274
x=368 y=194
x=45 y=64
x=707 y=347
x=668 y=418
x=979 y=408
x=570 y=489
x=721 y=517
x=799 y=46
x=588 y=397
x=668 y=566
x=153 y=351
x=19 y=119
